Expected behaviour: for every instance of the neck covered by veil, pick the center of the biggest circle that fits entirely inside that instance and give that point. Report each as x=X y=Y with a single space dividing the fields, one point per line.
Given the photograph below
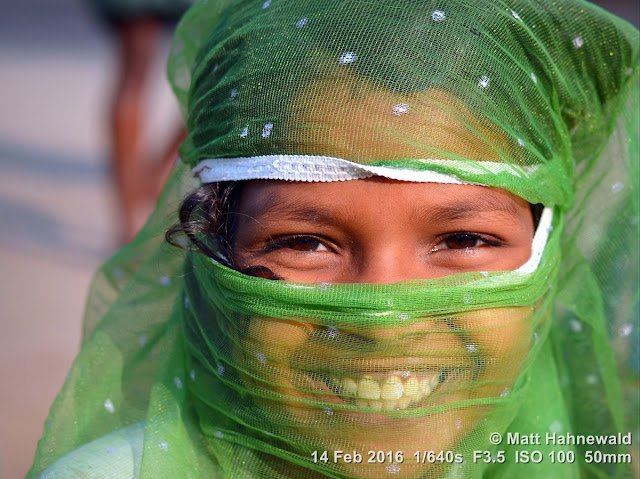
x=190 y=368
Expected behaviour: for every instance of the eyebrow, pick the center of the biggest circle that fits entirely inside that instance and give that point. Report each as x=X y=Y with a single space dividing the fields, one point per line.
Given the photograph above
x=465 y=209
x=275 y=206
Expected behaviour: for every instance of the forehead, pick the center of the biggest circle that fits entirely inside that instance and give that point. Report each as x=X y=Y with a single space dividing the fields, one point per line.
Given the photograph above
x=362 y=121
x=307 y=201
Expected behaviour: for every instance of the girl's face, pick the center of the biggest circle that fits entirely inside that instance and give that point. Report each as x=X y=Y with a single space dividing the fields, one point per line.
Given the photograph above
x=382 y=231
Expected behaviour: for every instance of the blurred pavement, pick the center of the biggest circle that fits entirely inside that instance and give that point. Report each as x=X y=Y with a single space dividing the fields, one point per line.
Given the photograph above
x=56 y=203
x=57 y=208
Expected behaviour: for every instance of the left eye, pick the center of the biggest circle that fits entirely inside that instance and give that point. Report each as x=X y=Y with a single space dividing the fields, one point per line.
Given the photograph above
x=463 y=241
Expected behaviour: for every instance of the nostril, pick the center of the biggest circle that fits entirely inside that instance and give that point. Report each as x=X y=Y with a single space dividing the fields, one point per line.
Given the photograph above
x=344 y=340
x=360 y=343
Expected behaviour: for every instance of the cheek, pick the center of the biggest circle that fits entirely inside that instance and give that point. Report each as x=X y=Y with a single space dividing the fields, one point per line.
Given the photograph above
x=499 y=332
x=276 y=338
x=265 y=355
x=502 y=338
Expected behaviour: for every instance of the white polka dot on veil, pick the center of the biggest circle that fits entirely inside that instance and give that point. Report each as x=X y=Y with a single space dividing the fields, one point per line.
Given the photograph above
x=438 y=16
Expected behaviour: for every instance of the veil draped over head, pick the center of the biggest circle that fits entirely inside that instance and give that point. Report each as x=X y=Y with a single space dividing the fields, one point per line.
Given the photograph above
x=189 y=368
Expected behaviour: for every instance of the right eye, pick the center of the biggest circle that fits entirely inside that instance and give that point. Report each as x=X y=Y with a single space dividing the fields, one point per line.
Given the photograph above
x=302 y=243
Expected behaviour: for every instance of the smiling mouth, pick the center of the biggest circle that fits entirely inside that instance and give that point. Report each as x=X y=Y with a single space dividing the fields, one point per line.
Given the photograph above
x=398 y=391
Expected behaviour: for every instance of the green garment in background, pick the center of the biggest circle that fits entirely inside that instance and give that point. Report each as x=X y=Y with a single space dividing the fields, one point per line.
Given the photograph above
x=540 y=98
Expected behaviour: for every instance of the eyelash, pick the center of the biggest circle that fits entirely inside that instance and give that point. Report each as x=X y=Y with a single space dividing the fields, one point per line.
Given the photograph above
x=468 y=236
x=291 y=241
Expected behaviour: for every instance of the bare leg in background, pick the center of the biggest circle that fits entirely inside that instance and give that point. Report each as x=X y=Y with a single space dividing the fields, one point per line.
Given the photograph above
x=138 y=181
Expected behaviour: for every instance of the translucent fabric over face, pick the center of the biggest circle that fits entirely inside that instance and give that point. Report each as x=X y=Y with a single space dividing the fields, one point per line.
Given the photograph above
x=229 y=375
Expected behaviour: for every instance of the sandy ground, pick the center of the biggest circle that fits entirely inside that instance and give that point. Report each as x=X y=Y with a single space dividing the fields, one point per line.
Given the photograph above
x=56 y=204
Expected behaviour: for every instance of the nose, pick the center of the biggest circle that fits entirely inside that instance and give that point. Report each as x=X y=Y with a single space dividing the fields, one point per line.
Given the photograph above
x=388 y=263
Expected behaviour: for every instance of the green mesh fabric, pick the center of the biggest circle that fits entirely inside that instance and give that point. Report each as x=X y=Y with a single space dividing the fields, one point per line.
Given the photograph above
x=219 y=374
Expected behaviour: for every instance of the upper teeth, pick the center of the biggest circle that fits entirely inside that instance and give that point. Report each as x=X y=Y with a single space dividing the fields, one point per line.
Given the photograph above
x=391 y=392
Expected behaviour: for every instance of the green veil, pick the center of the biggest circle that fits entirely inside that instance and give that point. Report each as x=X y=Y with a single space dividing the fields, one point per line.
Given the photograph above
x=189 y=368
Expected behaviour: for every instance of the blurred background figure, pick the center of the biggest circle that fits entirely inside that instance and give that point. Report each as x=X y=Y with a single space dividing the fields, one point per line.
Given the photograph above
x=57 y=68
x=139 y=171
